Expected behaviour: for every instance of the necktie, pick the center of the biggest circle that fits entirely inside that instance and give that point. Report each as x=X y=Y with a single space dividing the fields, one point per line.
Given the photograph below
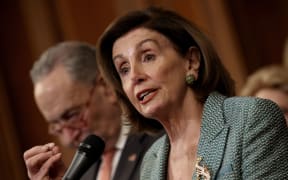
x=106 y=165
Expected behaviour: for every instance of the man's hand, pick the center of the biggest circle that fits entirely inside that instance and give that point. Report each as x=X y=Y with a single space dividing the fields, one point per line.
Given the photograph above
x=44 y=162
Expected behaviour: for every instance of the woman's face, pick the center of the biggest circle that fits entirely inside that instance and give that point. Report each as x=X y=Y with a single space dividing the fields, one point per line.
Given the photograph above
x=152 y=72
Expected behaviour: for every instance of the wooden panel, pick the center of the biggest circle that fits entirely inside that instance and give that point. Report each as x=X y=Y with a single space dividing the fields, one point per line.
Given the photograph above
x=18 y=118
x=40 y=24
x=262 y=28
x=84 y=20
x=10 y=153
x=224 y=37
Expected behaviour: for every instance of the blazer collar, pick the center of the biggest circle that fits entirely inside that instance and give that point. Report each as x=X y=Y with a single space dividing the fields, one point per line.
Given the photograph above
x=213 y=120
x=160 y=155
x=213 y=134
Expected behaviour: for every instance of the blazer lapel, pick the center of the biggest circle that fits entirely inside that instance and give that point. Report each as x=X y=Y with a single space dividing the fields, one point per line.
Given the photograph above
x=158 y=160
x=213 y=136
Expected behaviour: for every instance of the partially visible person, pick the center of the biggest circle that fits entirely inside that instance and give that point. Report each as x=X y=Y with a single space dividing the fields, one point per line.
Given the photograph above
x=76 y=102
x=269 y=82
x=164 y=68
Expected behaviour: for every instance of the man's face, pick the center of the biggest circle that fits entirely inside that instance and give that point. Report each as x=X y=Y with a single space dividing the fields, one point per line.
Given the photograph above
x=73 y=110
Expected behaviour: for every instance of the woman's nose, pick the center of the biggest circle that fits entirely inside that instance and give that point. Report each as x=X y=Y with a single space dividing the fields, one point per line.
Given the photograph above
x=137 y=74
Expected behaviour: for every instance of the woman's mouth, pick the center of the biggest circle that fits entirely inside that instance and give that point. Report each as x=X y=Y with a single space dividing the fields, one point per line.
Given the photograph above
x=146 y=95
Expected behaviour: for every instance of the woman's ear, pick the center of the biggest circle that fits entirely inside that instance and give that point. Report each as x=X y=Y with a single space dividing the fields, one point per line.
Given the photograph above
x=193 y=57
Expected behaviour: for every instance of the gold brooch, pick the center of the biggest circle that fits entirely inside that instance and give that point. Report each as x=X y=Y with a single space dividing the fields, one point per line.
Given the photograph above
x=202 y=170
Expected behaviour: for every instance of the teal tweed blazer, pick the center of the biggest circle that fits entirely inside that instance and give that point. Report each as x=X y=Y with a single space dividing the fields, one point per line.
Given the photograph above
x=241 y=138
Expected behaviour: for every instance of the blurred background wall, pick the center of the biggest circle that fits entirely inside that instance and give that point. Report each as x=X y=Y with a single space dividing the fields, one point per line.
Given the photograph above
x=247 y=35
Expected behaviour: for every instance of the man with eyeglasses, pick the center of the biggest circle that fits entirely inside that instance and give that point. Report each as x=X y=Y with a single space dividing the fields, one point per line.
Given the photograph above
x=76 y=102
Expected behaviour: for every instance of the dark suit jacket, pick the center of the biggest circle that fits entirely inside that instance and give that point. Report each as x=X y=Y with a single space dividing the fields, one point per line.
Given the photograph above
x=130 y=160
x=241 y=138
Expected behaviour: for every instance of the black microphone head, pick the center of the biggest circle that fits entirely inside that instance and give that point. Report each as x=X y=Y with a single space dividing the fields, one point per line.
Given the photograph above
x=89 y=151
x=93 y=146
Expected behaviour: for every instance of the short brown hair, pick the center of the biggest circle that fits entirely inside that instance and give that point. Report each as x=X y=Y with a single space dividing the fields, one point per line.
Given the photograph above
x=183 y=34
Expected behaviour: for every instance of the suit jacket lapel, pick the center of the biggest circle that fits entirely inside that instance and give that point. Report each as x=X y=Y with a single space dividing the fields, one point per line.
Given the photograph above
x=91 y=173
x=129 y=159
x=214 y=132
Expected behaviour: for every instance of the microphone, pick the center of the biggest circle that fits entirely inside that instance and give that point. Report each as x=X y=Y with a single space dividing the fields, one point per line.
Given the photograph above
x=89 y=151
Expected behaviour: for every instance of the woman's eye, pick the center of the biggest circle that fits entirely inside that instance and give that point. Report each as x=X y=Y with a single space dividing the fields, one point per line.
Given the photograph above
x=149 y=57
x=123 y=70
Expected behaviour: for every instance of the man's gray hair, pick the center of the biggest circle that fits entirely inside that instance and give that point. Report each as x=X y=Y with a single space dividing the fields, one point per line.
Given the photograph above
x=78 y=58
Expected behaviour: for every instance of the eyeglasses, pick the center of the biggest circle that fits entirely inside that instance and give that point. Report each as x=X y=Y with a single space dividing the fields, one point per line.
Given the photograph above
x=73 y=118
